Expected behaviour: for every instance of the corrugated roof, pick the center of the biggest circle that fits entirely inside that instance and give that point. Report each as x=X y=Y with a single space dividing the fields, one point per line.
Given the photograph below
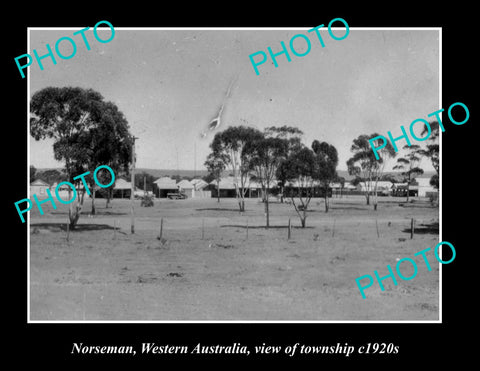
x=229 y=183
x=121 y=183
x=185 y=184
x=199 y=184
x=166 y=183
x=39 y=182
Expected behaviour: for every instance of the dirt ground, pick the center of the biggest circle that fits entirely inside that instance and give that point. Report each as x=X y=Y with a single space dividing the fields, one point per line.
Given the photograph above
x=229 y=272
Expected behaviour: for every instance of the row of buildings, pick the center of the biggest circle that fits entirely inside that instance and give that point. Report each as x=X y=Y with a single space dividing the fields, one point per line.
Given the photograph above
x=198 y=188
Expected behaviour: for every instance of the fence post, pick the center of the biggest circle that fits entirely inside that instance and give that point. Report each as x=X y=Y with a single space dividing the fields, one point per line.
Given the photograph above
x=68 y=230
x=333 y=228
x=376 y=225
x=161 y=229
x=412 y=228
x=289 y=228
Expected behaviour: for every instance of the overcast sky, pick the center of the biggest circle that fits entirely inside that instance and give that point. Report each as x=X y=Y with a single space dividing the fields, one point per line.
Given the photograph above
x=171 y=83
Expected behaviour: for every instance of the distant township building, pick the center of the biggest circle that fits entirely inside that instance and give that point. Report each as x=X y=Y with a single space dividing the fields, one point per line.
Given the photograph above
x=226 y=188
x=122 y=189
x=165 y=185
x=201 y=188
x=253 y=189
x=195 y=188
x=39 y=187
x=383 y=187
x=420 y=187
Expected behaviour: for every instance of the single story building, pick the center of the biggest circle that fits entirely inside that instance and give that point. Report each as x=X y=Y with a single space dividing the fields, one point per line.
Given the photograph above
x=39 y=187
x=384 y=187
x=63 y=191
x=425 y=189
x=226 y=188
x=184 y=186
x=122 y=188
x=400 y=190
x=201 y=188
x=339 y=191
x=165 y=185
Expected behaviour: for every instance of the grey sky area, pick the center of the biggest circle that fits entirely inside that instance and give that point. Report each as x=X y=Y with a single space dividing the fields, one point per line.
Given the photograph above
x=171 y=83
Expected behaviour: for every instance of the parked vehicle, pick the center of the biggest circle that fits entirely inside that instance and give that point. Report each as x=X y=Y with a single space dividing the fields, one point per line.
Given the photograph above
x=176 y=196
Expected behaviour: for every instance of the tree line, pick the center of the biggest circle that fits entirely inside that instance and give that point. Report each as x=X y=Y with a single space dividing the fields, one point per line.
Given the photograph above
x=277 y=157
x=89 y=131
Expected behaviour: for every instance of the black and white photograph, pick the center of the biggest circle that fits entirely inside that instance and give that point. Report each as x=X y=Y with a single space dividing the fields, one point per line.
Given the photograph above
x=294 y=186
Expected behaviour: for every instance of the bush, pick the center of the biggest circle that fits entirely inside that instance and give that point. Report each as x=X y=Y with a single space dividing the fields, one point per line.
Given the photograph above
x=433 y=197
x=147 y=201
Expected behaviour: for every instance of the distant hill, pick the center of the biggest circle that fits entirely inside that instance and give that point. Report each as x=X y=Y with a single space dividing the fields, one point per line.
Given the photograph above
x=201 y=173
x=169 y=172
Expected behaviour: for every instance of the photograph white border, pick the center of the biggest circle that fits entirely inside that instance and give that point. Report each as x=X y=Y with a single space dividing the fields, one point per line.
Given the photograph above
x=440 y=320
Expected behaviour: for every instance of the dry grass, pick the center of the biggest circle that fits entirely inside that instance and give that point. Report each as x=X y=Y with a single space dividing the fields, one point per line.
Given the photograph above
x=102 y=274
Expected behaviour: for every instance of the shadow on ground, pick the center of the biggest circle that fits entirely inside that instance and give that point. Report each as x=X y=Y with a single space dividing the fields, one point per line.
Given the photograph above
x=217 y=209
x=431 y=228
x=87 y=213
x=57 y=227
x=262 y=226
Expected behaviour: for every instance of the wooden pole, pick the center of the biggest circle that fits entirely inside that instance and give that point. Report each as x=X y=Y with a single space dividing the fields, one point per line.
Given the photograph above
x=376 y=225
x=289 y=228
x=333 y=228
x=161 y=229
x=68 y=230
x=412 y=228
x=132 y=220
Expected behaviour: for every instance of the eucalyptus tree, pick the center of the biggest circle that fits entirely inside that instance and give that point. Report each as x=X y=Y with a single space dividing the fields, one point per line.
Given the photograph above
x=299 y=169
x=365 y=166
x=86 y=131
x=267 y=155
x=326 y=156
x=232 y=145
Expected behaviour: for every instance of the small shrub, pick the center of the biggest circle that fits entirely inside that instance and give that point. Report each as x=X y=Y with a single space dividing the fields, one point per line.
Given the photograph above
x=147 y=201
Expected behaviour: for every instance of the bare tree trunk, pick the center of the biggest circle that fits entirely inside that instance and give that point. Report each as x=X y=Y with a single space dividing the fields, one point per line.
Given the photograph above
x=218 y=190
x=325 y=197
x=304 y=219
x=240 y=198
x=75 y=215
x=93 y=200
x=267 y=211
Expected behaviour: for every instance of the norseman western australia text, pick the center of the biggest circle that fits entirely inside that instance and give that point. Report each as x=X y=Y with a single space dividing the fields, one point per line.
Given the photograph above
x=79 y=348
x=236 y=348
